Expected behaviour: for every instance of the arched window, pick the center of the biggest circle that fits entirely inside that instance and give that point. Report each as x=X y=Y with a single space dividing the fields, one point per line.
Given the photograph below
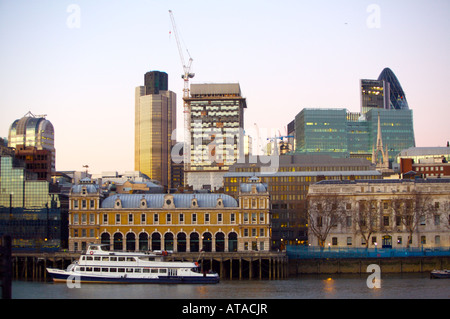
x=131 y=242
x=156 y=241
x=207 y=241
x=181 y=242
x=194 y=242
x=143 y=241
x=106 y=240
x=232 y=242
x=118 y=241
x=220 y=242
x=168 y=241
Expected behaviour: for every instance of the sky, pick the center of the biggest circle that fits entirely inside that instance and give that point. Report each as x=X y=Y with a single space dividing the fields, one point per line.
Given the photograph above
x=79 y=62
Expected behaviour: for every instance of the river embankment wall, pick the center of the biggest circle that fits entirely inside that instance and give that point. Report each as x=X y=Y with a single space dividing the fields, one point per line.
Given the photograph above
x=359 y=265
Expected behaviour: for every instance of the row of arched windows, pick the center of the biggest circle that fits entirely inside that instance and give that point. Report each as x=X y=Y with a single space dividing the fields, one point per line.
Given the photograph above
x=180 y=243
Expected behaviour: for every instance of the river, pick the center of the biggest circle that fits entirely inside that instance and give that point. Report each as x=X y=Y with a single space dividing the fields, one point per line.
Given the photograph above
x=392 y=286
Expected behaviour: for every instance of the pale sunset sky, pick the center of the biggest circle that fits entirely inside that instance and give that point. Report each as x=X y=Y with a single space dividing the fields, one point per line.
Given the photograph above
x=79 y=62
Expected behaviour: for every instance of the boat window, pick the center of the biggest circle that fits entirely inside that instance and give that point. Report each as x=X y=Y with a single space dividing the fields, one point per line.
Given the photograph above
x=88 y=268
x=83 y=257
x=146 y=270
x=81 y=268
x=162 y=271
x=121 y=258
x=154 y=271
x=130 y=259
x=97 y=269
x=138 y=270
x=97 y=258
x=112 y=269
x=88 y=258
x=113 y=258
x=104 y=269
x=105 y=258
x=129 y=269
x=121 y=269
x=147 y=258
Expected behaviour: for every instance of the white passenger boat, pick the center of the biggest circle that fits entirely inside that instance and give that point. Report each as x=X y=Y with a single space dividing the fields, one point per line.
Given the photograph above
x=98 y=265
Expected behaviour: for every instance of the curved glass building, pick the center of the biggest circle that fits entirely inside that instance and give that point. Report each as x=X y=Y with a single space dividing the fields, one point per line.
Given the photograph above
x=33 y=137
x=397 y=95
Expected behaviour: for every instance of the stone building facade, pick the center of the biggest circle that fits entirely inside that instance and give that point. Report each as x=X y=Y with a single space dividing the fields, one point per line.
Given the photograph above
x=380 y=213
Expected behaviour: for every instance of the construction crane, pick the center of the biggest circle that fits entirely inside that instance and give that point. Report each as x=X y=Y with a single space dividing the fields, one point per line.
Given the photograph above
x=187 y=109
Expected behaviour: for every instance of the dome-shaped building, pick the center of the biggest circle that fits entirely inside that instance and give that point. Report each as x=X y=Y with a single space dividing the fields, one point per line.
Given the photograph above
x=33 y=137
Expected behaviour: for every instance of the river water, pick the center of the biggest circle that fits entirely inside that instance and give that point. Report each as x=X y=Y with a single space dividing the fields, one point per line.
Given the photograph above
x=392 y=286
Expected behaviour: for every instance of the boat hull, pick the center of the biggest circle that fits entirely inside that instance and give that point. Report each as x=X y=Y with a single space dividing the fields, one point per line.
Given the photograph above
x=440 y=274
x=64 y=276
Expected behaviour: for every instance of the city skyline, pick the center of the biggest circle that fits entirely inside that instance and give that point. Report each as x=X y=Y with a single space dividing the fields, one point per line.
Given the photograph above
x=79 y=62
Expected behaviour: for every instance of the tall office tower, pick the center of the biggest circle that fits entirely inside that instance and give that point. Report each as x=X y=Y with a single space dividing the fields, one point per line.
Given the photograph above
x=397 y=95
x=322 y=131
x=155 y=120
x=33 y=138
x=339 y=133
x=31 y=211
x=374 y=94
x=217 y=122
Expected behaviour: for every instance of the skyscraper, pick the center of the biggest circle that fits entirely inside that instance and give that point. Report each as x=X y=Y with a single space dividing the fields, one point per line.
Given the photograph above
x=217 y=122
x=385 y=93
x=33 y=138
x=155 y=120
x=339 y=133
x=374 y=94
x=397 y=95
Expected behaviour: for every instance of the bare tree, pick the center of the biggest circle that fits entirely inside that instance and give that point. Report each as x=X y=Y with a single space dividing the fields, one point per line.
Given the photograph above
x=366 y=220
x=324 y=213
x=415 y=210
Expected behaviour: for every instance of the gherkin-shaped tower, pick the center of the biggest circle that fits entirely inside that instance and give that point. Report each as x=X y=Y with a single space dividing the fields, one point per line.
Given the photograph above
x=397 y=95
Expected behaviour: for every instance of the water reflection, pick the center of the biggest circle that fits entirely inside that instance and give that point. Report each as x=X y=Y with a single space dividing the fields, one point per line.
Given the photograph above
x=412 y=286
x=329 y=286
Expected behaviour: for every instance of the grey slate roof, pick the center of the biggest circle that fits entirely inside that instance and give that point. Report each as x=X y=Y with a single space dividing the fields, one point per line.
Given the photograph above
x=180 y=200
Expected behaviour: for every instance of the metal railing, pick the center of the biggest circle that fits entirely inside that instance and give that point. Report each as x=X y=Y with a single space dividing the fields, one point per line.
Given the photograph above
x=308 y=252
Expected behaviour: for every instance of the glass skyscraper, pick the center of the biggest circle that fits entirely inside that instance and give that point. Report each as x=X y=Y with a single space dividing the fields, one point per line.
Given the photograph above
x=397 y=95
x=322 y=131
x=155 y=120
x=339 y=133
x=30 y=212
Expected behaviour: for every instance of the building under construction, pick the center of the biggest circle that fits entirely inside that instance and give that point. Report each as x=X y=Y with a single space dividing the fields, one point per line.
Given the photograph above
x=216 y=132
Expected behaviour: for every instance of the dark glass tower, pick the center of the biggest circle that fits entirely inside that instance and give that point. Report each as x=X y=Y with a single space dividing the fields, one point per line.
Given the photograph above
x=155 y=81
x=397 y=95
